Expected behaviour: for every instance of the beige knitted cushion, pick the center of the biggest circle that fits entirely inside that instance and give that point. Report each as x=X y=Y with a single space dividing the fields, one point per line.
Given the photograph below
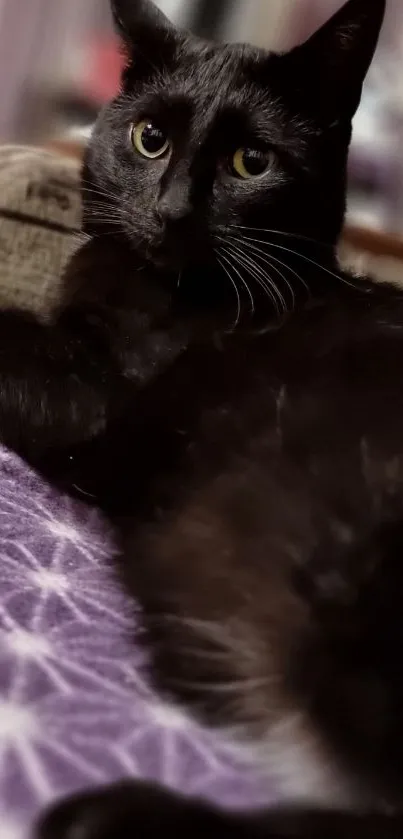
x=39 y=224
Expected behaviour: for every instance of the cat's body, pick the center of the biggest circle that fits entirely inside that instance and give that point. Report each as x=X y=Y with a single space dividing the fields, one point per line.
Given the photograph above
x=235 y=402
x=262 y=535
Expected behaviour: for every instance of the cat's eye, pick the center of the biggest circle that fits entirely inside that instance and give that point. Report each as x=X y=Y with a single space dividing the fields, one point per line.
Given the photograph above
x=250 y=163
x=149 y=140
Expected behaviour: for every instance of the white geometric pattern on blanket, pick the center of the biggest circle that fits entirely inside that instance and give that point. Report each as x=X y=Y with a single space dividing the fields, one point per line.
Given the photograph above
x=75 y=709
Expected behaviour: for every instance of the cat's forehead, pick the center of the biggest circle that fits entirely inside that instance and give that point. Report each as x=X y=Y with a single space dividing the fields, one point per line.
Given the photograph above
x=210 y=85
x=219 y=72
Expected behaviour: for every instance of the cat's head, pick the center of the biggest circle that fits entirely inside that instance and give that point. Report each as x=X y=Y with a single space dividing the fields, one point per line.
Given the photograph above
x=206 y=140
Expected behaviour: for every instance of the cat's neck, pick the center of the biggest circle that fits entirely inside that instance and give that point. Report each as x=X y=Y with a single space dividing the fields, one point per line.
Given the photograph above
x=111 y=275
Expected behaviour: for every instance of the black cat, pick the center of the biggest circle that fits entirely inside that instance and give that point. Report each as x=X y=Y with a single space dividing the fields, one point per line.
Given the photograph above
x=235 y=403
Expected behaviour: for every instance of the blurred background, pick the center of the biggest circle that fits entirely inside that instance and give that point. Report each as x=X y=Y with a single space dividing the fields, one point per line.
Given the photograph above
x=61 y=62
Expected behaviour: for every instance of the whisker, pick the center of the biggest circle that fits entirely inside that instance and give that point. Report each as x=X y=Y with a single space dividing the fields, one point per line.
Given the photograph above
x=99 y=198
x=103 y=200
x=103 y=212
x=234 y=285
x=104 y=205
x=227 y=637
x=105 y=220
x=264 y=257
x=220 y=655
x=270 y=262
x=284 y=233
x=261 y=280
x=235 y=686
x=104 y=233
x=96 y=215
x=243 y=281
x=99 y=192
x=87 y=186
x=305 y=258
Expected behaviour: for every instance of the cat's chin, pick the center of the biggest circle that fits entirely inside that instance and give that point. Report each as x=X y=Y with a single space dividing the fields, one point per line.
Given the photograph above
x=161 y=259
x=177 y=253
x=164 y=263
x=176 y=266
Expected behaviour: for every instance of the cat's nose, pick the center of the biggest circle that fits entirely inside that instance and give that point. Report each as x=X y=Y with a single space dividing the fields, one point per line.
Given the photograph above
x=174 y=205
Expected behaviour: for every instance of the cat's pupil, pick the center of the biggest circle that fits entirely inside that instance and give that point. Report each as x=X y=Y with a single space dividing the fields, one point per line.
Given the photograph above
x=255 y=162
x=153 y=138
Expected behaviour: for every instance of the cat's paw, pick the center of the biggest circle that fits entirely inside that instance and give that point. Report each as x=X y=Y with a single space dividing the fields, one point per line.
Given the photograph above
x=122 y=812
x=99 y=815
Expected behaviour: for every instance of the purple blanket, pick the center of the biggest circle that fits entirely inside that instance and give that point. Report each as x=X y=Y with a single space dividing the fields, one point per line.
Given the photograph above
x=75 y=707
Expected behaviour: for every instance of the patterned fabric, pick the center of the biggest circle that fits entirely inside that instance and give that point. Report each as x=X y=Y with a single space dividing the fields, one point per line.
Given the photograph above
x=76 y=709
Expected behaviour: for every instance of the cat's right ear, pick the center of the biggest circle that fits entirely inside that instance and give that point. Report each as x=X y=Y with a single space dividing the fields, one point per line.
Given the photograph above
x=145 y=30
x=332 y=65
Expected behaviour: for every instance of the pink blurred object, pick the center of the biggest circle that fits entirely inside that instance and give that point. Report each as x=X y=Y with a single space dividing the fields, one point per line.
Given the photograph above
x=103 y=67
x=308 y=15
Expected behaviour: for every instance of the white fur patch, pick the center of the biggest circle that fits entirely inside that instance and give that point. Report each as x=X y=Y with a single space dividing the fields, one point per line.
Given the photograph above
x=305 y=772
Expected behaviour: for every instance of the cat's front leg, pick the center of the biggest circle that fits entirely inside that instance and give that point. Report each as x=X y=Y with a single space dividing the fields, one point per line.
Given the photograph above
x=144 y=811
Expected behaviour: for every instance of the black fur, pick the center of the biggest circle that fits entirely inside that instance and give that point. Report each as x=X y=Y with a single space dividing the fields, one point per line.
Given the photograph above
x=234 y=402
x=131 y=810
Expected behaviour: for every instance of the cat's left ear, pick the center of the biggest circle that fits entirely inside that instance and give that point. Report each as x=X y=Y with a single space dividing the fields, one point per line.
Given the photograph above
x=145 y=30
x=336 y=59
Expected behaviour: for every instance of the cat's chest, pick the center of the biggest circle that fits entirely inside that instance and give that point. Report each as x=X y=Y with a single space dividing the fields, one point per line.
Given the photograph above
x=305 y=770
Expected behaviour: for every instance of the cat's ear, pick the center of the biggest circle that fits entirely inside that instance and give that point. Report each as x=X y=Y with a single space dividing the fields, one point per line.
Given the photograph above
x=144 y=30
x=337 y=57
